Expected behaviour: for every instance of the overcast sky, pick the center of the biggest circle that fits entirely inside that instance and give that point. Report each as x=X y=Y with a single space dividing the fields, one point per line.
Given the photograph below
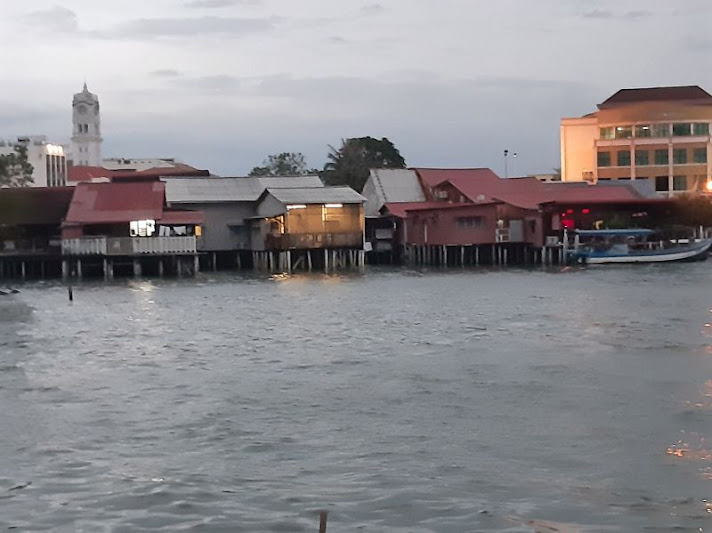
x=220 y=84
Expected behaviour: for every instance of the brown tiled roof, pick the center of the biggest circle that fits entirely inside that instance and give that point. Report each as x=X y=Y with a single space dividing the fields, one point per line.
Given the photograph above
x=656 y=94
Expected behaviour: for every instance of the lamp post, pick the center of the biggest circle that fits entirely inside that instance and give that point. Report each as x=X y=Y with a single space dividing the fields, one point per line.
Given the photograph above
x=514 y=164
x=506 y=153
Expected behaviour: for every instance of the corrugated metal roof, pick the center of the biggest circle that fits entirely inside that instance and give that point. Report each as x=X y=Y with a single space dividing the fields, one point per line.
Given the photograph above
x=217 y=190
x=108 y=203
x=314 y=195
x=391 y=186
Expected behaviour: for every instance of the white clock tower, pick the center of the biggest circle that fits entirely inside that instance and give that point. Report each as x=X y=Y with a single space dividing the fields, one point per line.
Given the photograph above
x=86 y=129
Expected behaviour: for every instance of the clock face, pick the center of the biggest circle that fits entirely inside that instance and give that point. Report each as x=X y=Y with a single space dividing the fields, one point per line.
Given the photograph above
x=82 y=109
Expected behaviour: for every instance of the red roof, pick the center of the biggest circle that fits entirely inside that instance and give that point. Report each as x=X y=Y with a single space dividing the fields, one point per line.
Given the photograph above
x=577 y=193
x=111 y=203
x=436 y=176
x=657 y=94
x=399 y=209
x=83 y=173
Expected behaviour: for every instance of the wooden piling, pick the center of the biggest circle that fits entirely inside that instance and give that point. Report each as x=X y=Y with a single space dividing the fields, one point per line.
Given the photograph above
x=323 y=517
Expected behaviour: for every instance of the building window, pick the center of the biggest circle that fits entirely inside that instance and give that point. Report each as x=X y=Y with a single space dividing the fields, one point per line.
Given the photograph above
x=624 y=132
x=642 y=158
x=661 y=157
x=604 y=159
x=701 y=128
x=662 y=184
x=469 y=222
x=679 y=156
x=661 y=130
x=699 y=155
x=679 y=183
x=643 y=131
x=607 y=133
x=682 y=129
x=623 y=158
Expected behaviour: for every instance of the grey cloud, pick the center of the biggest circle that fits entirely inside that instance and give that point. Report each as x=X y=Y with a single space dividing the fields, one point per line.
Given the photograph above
x=184 y=27
x=166 y=73
x=606 y=14
x=635 y=15
x=434 y=122
x=372 y=9
x=216 y=83
x=211 y=4
x=58 y=19
x=598 y=14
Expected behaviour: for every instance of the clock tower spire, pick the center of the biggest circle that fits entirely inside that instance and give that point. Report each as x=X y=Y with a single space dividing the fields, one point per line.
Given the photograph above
x=86 y=129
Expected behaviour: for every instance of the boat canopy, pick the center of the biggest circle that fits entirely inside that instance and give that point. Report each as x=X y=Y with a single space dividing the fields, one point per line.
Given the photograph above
x=634 y=232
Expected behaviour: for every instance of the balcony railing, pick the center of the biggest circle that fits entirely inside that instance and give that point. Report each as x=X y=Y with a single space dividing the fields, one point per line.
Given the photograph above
x=129 y=246
x=306 y=241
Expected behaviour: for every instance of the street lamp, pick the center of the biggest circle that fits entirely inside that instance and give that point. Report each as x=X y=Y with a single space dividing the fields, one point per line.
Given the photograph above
x=506 y=153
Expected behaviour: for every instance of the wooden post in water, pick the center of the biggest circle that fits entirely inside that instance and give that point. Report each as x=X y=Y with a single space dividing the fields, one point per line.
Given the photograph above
x=323 y=517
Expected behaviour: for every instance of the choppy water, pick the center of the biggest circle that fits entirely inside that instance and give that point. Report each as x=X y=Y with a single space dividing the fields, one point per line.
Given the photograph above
x=399 y=402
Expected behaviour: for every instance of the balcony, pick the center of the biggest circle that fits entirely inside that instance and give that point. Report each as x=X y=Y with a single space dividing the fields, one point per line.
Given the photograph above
x=307 y=241
x=115 y=246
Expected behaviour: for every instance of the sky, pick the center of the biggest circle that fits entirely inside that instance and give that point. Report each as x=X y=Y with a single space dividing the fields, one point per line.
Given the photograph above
x=221 y=84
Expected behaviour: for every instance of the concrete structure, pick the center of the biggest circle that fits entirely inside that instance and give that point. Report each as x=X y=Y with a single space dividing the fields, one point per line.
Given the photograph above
x=48 y=161
x=660 y=134
x=86 y=129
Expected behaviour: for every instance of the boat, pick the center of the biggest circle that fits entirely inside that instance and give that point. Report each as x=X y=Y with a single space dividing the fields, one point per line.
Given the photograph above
x=636 y=245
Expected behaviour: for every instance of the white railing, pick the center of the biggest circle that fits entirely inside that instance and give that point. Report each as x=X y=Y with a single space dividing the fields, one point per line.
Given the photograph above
x=84 y=246
x=164 y=245
x=129 y=245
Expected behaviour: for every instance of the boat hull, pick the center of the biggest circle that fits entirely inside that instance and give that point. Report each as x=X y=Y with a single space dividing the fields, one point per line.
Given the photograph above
x=697 y=252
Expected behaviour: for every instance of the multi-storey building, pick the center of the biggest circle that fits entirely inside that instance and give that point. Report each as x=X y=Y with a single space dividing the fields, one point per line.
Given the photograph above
x=49 y=165
x=660 y=134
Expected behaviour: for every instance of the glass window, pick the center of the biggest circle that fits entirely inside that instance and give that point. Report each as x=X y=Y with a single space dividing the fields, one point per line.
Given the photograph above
x=607 y=133
x=661 y=157
x=661 y=130
x=604 y=159
x=679 y=183
x=679 y=156
x=701 y=128
x=682 y=129
x=700 y=155
x=642 y=158
x=643 y=131
x=624 y=132
x=661 y=183
x=623 y=158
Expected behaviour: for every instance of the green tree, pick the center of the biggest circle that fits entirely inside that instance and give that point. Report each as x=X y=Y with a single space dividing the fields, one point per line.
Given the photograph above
x=15 y=168
x=284 y=164
x=693 y=211
x=350 y=165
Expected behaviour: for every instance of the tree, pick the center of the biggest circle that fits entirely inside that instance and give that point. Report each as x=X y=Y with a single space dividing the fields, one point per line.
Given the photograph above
x=15 y=168
x=350 y=165
x=284 y=164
